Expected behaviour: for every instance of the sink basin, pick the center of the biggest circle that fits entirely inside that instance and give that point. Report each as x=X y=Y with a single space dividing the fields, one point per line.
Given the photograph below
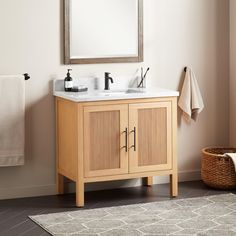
x=121 y=92
x=112 y=92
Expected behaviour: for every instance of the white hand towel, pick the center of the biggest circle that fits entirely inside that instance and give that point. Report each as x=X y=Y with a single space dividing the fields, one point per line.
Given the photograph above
x=12 y=120
x=233 y=158
x=190 y=100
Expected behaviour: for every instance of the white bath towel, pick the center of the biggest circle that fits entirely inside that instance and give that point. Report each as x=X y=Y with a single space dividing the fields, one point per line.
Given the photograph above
x=190 y=101
x=233 y=158
x=12 y=120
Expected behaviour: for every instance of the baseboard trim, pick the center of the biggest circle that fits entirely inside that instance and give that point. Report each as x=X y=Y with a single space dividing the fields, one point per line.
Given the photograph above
x=189 y=175
x=28 y=191
x=44 y=190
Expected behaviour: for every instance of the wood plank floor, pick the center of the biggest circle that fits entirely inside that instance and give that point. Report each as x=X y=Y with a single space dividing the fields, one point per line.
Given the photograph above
x=14 y=213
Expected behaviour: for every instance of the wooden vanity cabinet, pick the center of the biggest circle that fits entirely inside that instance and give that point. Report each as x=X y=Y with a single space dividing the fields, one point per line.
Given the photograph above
x=113 y=140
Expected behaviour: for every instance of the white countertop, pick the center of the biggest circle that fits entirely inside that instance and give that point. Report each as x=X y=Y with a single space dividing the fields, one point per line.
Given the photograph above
x=98 y=95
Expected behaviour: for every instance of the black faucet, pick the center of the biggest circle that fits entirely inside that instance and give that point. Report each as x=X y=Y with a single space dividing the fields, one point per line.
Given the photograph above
x=107 y=78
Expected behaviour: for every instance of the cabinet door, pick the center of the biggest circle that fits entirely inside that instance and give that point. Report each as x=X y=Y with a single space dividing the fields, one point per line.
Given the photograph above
x=105 y=140
x=150 y=137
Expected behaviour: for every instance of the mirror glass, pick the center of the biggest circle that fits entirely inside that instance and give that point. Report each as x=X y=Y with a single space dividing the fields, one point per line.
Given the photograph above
x=98 y=31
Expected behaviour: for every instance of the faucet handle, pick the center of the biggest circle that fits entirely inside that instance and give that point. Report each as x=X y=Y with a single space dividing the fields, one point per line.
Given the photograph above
x=107 y=74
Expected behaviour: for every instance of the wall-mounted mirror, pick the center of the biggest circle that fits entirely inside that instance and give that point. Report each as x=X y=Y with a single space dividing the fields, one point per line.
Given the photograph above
x=103 y=31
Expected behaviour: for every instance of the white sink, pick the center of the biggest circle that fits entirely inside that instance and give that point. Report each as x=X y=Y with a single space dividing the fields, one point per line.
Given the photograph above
x=121 y=92
x=111 y=92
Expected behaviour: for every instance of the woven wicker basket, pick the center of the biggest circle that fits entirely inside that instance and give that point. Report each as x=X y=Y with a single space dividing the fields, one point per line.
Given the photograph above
x=217 y=169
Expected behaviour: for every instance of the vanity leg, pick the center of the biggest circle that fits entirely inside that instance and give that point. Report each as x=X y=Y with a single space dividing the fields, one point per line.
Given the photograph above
x=80 y=193
x=149 y=181
x=174 y=185
x=60 y=183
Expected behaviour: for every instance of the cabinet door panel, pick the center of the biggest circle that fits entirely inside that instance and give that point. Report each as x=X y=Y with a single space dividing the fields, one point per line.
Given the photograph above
x=105 y=140
x=152 y=122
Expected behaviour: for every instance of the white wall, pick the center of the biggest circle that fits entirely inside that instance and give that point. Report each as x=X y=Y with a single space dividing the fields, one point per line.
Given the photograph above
x=177 y=33
x=232 y=72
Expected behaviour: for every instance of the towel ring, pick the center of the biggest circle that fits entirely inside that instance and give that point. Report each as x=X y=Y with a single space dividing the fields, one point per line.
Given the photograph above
x=27 y=77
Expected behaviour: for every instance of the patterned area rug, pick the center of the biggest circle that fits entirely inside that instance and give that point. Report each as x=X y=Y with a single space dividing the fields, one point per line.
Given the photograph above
x=211 y=215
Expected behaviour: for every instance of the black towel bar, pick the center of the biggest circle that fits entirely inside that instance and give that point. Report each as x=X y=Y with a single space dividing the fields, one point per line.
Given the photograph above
x=27 y=77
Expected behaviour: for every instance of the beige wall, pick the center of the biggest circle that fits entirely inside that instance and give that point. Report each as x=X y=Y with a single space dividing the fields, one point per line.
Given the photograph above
x=176 y=33
x=232 y=72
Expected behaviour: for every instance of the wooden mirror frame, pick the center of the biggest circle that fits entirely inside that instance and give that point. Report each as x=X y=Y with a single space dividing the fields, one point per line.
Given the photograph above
x=69 y=60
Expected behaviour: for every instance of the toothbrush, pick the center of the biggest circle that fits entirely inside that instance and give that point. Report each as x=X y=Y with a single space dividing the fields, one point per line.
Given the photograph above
x=143 y=76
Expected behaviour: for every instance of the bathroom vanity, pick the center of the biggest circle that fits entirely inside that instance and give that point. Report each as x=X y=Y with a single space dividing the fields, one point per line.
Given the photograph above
x=112 y=135
x=116 y=135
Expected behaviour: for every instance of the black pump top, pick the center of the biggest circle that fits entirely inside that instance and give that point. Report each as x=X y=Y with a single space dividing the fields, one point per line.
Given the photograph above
x=68 y=73
x=68 y=77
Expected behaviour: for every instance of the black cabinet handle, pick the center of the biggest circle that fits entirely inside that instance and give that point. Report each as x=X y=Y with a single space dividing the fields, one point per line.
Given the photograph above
x=134 y=145
x=126 y=140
